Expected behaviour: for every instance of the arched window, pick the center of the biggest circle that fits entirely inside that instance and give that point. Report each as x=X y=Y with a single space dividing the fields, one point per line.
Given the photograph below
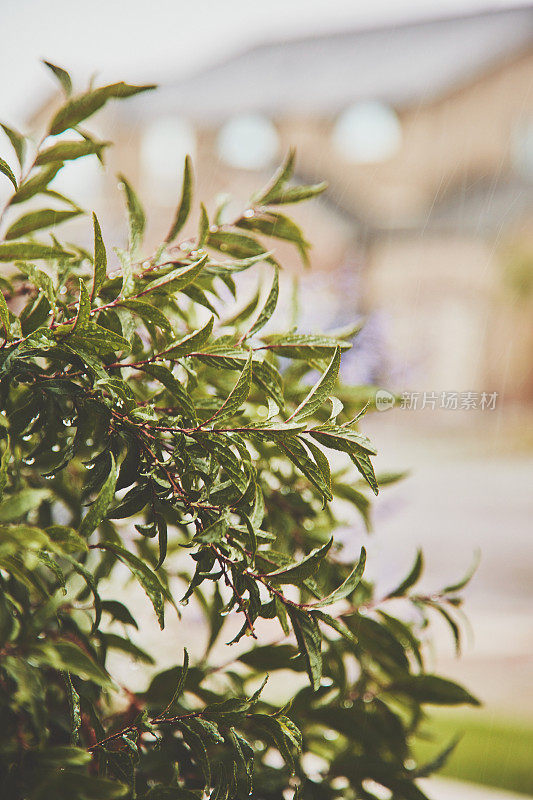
x=367 y=132
x=248 y=141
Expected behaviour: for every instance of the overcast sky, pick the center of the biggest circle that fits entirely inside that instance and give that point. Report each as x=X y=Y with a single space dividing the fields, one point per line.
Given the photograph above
x=159 y=40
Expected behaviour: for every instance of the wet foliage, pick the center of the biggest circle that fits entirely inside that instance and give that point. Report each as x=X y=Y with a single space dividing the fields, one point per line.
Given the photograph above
x=151 y=426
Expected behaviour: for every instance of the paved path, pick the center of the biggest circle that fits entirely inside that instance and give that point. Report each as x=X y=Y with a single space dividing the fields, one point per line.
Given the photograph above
x=469 y=488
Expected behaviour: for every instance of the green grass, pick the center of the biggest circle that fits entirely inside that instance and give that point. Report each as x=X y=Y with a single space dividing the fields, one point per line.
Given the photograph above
x=492 y=751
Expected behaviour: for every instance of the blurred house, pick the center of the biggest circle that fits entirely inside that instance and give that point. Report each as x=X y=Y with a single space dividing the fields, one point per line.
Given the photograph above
x=424 y=132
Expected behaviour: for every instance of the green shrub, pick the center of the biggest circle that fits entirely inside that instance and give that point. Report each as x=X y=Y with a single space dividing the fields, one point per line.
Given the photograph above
x=147 y=422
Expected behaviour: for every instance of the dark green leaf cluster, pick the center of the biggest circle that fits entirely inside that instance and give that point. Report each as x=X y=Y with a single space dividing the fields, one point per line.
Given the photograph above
x=149 y=427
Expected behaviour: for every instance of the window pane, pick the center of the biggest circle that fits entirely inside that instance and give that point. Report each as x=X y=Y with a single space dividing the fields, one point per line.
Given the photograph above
x=367 y=132
x=249 y=141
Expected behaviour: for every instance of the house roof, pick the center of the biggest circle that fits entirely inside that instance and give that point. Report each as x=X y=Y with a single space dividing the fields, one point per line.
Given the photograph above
x=403 y=64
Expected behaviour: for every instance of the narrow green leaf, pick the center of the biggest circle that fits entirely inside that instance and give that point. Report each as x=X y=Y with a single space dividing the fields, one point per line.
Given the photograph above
x=84 y=309
x=253 y=538
x=180 y=684
x=170 y=382
x=88 y=577
x=238 y=395
x=438 y=761
x=179 y=278
x=219 y=447
x=97 y=511
x=75 y=709
x=404 y=633
x=295 y=194
x=17 y=506
x=54 y=567
x=364 y=465
x=456 y=587
x=213 y=534
x=337 y=625
x=199 y=296
x=278 y=181
x=95 y=338
x=4 y=464
x=350 y=584
x=283 y=736
x=196 y=744
x=161 y=527
x=203 y=227
x=4 y=317
x=245 y=757
x=305 y=346
x=433 y=689
x=36 y=184
x=185 y=202
x=100 y=259
x=236 y=245
x=62 y=76
x=119 y=612
x=309 y=641
x=344 y=439
x=297 y=453
x=454 y=627
x=136 y=217
x=38 y=277
x=14 y=251
x=223 y=356
x=388 y=478
x=215 y=617
x=65 y=655
x=147 y=578
x=8 y=172
x=115 y=642
x=268 y=378
x=273 y=431
x=18 y=141
x=37 y=220
x=321 y=461
x=320 y=391
x=411 y=578
x=243 y=313
x=257 y=514
x=132 y=503
x=69 y=151
x=148 y=313
x=83 y=106
x=66 y=539
x=192 y=342
x=277 y=226
x=268 y=308
x=299 y=571
x=61 y=197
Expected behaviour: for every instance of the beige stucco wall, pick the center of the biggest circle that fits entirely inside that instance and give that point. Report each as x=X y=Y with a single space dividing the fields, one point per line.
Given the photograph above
x=450 y=325
x=464 y=136
x=435 y=294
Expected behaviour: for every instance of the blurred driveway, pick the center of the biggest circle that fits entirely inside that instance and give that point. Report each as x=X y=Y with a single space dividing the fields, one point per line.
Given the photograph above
x=470 y=487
